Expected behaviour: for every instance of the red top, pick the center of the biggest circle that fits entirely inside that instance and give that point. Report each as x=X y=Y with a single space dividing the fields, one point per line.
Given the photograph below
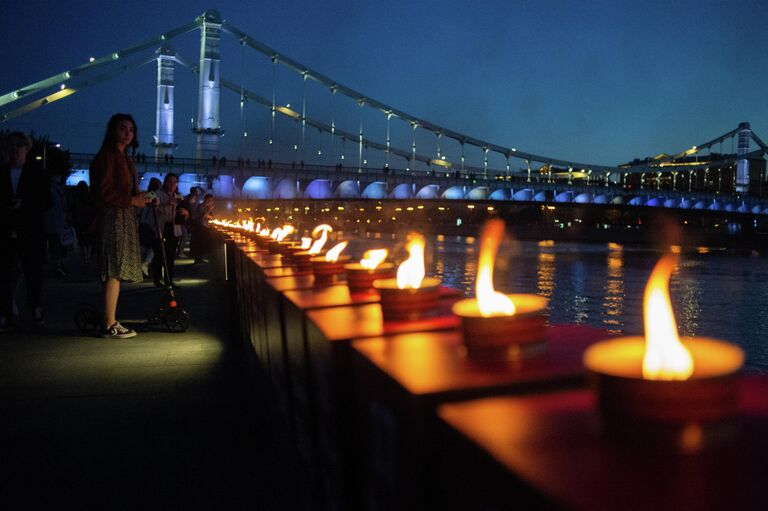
x=113 y=180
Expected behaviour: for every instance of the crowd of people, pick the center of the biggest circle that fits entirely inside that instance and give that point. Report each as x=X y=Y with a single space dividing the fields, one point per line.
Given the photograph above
x=123 y=230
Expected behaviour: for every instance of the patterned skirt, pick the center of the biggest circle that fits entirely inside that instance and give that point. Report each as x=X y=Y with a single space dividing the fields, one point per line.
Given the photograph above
x=119 y=255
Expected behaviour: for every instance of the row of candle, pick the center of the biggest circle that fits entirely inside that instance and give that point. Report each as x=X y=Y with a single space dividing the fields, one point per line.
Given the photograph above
x=656 y=379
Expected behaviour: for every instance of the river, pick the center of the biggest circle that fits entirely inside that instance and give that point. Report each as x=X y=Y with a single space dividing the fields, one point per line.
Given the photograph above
x=715 y=293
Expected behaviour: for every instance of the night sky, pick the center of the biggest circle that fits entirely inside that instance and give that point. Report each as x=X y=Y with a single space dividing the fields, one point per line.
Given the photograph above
x=591 y=81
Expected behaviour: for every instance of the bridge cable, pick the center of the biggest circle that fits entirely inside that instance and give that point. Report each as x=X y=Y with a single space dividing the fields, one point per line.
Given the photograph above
x=389 y=137
x=413 y=147
x=244 y=135
x=333 y=122
x=272 y=133
x=384 y=108
x=360 y=139
x=67 y=91
x=105 y=60
x=304 y=118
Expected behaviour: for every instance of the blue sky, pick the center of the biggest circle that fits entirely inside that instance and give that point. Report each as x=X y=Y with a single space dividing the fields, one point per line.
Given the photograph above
x=592 y=81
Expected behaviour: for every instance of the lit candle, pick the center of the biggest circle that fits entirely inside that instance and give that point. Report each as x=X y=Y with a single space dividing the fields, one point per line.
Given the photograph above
x=327 y=268
x=360 y=276
x=411 y=295
x=303 y=259
x=494 y=324
x=660 y=379
x=277 y=243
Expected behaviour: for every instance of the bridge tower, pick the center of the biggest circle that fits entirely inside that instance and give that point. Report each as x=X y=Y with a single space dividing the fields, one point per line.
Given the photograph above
x=163 y=139
x=742 y=165
x=208 y=128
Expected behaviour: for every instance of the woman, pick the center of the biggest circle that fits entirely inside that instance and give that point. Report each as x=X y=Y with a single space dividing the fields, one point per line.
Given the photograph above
x=147 y=230
x=115 y=190
x=170 y=216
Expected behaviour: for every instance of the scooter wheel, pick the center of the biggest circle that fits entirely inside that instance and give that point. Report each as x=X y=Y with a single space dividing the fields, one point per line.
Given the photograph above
x=176 y=320
x=88 y=320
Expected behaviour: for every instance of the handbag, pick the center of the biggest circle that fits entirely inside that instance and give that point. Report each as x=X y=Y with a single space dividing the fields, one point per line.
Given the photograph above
x=68 y=237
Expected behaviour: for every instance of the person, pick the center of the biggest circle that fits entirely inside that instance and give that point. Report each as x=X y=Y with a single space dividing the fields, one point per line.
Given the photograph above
x=147 y=230
x=170 y=216
x=24 y=199
x=115 y=191
x=56 y=221
x=82 y=215
x=200 y=244
x=190 y=203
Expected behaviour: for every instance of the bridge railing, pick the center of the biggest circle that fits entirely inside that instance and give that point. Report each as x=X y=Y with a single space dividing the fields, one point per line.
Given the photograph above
x=443 y=177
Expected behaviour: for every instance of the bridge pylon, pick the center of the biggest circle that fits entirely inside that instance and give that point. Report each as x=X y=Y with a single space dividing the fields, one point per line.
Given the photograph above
x=163 y=139
x=742 y=164
x=208 y=128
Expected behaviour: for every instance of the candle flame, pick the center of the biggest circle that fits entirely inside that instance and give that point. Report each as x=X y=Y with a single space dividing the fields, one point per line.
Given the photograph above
x=411 y=272
x=333 y=254
x=264 y=232
x=665 y=356
x=305 y=243
x=286 y=230
x=320 y=228
x=373 y=258
x=489 y=301
x=317 y=246
x=275 y=233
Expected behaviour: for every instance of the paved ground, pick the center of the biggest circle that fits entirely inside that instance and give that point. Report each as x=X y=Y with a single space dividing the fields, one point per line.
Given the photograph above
x=161 y=421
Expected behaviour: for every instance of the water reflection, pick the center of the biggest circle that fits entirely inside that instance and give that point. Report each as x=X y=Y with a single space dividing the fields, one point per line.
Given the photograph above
x=545 y=282
x=687 y=290
x=613 y=301
x=716 y=294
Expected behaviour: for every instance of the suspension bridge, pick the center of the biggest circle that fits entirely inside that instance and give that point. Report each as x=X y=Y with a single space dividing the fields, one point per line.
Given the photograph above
x=369 y=157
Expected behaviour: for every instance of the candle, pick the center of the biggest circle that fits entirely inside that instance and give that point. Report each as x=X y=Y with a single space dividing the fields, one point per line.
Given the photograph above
x=303 y=259
x=411 y=295
x=660 y=380
x=327 y=268
x=496 y=325
x=360 y=276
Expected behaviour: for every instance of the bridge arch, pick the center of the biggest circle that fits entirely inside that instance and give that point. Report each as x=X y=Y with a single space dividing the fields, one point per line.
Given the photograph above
x=402 y=191
x=224 y=186
x=454 y=192
x=523 y=195
x=566 y=196
x=500 y=194
x=584 y=198
x=348 y=189
x=257 y=187
x=655 y=202
x=318 y=189
x=478 y=193
x=287 y=188
x=375 y=190
x=429 y=192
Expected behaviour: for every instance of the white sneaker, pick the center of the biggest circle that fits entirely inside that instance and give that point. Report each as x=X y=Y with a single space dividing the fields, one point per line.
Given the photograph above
x=118 y=331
